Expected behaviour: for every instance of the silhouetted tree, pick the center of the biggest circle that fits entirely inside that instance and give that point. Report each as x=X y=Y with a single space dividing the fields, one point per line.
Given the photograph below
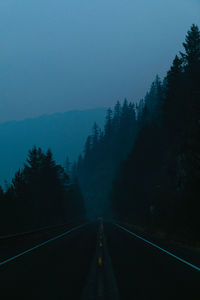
x=158 y=185
x=40 y=195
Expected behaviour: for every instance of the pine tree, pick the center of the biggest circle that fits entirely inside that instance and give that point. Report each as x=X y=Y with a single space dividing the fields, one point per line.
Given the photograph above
x=95 y=135
x=191 y=57
x=88 y=148
x=34 y=159
x=108 y=125
x=116 y=117
x=174 y=100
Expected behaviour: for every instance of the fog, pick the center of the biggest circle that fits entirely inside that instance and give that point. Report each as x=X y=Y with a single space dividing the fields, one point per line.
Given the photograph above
x=61 y=55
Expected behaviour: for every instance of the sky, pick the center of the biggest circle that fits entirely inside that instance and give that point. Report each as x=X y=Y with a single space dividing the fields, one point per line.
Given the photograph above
x=60 y=55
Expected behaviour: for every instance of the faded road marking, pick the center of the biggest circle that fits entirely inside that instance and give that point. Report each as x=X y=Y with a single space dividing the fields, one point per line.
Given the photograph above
x=40 y=245
x=156 y=246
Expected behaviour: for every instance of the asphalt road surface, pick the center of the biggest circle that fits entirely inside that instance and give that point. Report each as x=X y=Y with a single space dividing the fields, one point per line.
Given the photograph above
x=145 y=272
x=96 y=261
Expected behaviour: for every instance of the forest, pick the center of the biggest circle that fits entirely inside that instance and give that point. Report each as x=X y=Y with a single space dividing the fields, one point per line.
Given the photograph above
x=142 y=168
x=40 y=195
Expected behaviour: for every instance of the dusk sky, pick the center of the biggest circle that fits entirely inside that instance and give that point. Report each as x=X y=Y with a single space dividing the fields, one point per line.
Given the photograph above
x=60 y=55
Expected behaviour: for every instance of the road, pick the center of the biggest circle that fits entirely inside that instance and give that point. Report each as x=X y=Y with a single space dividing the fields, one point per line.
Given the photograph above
x=145 y=272
x=96 y=261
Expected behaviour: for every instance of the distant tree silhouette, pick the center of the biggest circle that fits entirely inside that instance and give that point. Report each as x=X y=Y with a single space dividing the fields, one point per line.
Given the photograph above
x=158 y=185
x=41 y=194
x=103 y=152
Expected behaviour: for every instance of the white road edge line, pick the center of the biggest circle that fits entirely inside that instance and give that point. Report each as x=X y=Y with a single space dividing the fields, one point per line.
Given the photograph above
x=41 y=244
x=154 y=245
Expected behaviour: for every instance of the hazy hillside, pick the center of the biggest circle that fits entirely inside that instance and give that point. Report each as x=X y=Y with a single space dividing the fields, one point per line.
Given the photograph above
x=64 y=133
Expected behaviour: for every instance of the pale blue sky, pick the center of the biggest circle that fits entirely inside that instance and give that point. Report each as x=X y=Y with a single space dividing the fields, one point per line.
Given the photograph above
x=58 y=55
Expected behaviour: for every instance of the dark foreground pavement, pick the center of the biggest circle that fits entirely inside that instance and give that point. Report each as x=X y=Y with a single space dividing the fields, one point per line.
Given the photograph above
x=145 y=272
x=94 y=262
x=57 y=270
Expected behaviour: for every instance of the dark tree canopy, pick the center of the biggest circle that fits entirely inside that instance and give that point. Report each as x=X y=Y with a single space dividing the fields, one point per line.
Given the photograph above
x=40 y=195
x=159 y=184
x=149 y=153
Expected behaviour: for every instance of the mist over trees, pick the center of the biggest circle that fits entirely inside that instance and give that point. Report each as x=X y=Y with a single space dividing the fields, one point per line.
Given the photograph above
x=144 y=166
x=158 y=185
x=41 y=194
x=104 y=149
x=64 y=133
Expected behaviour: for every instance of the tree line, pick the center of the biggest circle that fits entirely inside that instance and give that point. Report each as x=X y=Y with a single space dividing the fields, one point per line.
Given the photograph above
x=144 y=166
x=159 y=184
x=103 y=151
x=41 y=194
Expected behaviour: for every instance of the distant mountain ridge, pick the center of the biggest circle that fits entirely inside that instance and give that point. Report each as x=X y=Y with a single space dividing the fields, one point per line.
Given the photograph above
x=64 y=133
